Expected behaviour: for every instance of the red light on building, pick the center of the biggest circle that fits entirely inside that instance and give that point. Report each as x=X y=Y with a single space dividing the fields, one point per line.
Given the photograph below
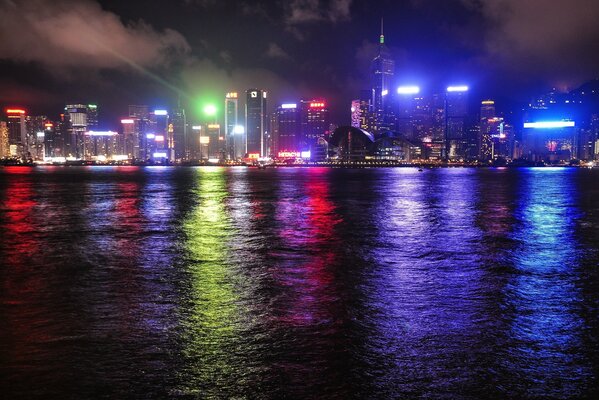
x=15 y=111
x=317 y=105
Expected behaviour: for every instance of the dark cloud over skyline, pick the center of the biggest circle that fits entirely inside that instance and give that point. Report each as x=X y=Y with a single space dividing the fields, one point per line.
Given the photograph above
x=154 y=52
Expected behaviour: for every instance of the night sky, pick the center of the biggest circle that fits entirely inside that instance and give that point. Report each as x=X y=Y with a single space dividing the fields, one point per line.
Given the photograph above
x=115 y=53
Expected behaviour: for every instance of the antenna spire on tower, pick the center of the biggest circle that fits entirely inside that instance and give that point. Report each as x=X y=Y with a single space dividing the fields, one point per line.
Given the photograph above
x=382 y=37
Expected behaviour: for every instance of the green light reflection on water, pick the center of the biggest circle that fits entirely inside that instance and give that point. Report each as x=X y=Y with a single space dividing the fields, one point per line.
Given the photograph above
x=211 y=322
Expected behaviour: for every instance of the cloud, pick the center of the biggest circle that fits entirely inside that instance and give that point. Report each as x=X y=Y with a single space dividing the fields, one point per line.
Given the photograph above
x=553 y=38
x=70 y=33
x=308 y=11
x=276 y=52
x=225 y=56
x=340 y=10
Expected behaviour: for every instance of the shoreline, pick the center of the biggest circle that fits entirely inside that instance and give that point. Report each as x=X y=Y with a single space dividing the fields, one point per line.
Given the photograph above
x=358 y=165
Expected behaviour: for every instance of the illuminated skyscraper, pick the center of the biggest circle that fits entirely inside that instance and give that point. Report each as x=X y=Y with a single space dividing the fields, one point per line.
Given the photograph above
x=456 y=114
x=215 y=140
x=139 y=111
x=101 y=145
x=355 y=113
x=408 y=98
x=595 y=137
x=286 y=128
x=130 y=138
x=36 y=136
x=76 y=118
x=140 y=115
x=549 y=140
x=364 y=111
x=314 y=122
x=17 y=132
x=256 y=122
x=485 y=145
x=92 y=117
x=4 y=148
x=51 y=140
x=382 y=70
x=61 y=133
x=235 y=143
x=437 y=146
x=181 y=141
x=160 y=138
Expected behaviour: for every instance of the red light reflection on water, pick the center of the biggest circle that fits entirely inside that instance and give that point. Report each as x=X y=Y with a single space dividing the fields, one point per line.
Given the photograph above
x=22 y=287
x=18 y=209
x=309 y=228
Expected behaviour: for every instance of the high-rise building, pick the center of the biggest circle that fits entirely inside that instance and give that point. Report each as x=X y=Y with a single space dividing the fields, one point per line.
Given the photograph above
x=159 y=138
x=356 y=118
x=76 y=118
x=487 y=109
x=256 y=122
x=551 y=141
x=408 y=98
x=4 y=147
x=181 y=141
x=61 y=134
x=51 y=140
x=215 y=141
x=437 y=146
x=130 y=137
x=365 y=111
x=141 y=116
x=314 y=122
x=286 y=129
x=91 y=142
x=595 y=136
x=101 y=145
x=196 y=147
x=487 y=121
x=92 y=117
x=17 y=132
x=456 y=114
x=382 y=71
x=36 y=136
x=235 y=142
x=139 y=111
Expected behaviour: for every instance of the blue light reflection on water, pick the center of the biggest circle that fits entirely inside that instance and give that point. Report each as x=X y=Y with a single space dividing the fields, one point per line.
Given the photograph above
x=544 y=292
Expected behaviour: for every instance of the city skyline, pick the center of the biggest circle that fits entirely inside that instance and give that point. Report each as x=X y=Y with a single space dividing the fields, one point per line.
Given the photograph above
x=320 y=49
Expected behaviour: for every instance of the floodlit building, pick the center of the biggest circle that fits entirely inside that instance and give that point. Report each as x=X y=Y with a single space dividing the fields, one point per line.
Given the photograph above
x=382 y=70
x=550 y=141
x=456 y=115
x=17 y=132
x=256 y=122
x=4 y=147
x=315 y=121
x=234 y=142
x=178 y=124
x=286 y=129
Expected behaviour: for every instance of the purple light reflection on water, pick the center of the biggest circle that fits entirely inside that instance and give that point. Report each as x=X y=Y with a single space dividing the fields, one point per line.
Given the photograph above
x=373 y=283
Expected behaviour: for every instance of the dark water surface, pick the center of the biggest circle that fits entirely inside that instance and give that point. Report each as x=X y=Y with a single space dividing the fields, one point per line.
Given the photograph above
x=298 y=283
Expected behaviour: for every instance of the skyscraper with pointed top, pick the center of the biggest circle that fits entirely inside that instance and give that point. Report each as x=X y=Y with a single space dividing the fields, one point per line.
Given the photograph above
x=382 y=70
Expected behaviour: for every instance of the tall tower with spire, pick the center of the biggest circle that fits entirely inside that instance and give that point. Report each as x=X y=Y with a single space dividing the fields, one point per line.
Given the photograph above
x=382 y=70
